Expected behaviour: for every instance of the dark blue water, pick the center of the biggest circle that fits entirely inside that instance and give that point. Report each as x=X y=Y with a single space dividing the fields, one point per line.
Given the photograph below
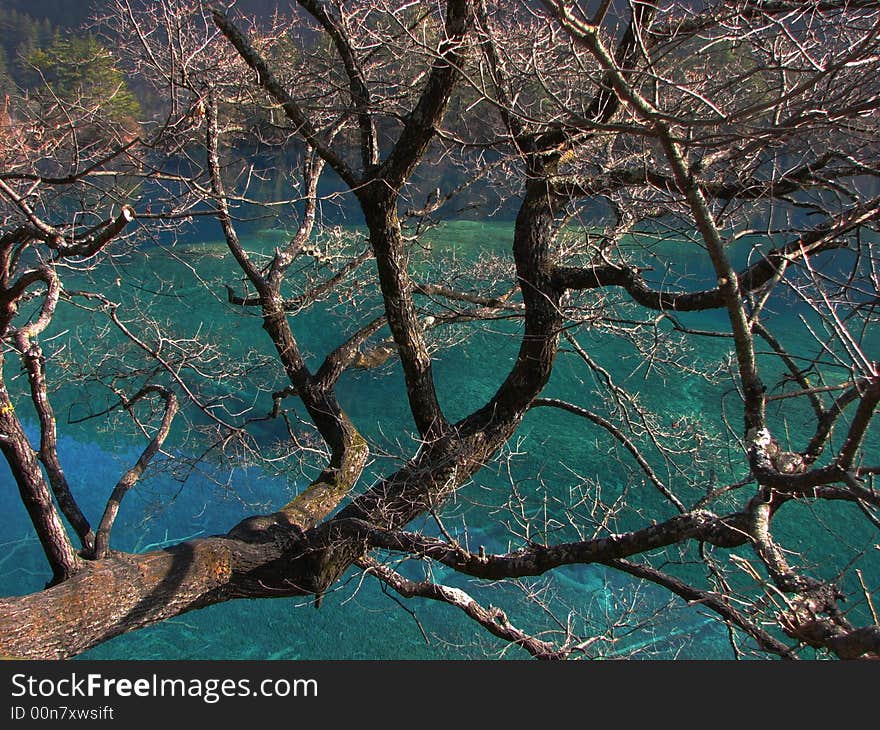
x=558 y=463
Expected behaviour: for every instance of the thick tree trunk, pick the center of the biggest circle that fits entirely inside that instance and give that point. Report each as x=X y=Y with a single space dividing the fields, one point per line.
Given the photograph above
x=386 y=238
x=123 y=592
x=264 y=556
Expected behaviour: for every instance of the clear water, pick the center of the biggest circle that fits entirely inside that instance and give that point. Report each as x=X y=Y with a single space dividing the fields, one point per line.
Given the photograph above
x=552 y=456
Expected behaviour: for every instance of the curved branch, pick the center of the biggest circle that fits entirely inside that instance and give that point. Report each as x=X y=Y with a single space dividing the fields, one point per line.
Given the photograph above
x=130 y=478
x=344 y=356
x=538 y=559
x=710 y=600
x=86 y=244
x=826 y=422
x=32 y=358
x=822 y=238
x=492 y=619
x=811 y=614
x=621 y=437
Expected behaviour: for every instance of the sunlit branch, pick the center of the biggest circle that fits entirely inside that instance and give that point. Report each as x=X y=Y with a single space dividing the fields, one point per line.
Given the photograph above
x=492 y=618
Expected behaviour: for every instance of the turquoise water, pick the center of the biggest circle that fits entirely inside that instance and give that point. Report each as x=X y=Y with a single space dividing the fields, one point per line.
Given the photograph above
x=558 y=463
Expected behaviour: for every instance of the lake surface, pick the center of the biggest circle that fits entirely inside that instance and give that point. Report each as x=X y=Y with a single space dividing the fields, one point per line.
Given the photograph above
x=554 y=460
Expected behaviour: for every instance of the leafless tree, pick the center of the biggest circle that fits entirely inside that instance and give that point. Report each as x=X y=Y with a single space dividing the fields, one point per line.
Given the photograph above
x=635 y=140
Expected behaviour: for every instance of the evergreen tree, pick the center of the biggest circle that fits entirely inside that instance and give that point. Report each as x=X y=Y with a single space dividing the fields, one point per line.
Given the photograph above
x=80 y=69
